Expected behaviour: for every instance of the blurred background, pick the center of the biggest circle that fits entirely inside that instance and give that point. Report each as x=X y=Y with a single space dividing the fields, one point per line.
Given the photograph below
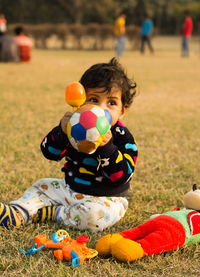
x=68 y=36
x=83 y=24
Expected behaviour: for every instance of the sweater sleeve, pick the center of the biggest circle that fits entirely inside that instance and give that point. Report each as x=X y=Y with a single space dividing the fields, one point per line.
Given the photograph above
x=54 y=144
x=118 y=156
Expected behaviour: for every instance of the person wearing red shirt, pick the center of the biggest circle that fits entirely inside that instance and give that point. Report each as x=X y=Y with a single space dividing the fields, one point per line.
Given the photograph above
x=186 y=34
x=3 y=23
x=24 y=44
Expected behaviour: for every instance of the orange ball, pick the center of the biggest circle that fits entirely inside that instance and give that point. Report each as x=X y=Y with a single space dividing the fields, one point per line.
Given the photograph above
x=75 y=94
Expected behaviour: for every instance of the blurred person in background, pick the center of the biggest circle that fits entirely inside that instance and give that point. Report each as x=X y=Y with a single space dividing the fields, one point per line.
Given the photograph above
x=9 y=51
x=3 y=22
x=24 y=43
x=119 y=31
x=146 y=32
x=186 y=34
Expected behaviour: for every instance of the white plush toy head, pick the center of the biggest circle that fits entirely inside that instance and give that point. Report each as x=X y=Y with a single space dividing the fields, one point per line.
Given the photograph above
x=191 y=199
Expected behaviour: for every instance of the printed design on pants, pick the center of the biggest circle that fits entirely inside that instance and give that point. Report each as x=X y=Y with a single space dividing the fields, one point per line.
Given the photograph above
x=73 y=209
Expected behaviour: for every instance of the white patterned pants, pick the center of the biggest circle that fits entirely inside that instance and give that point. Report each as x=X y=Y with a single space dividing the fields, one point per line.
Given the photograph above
x=74 y=209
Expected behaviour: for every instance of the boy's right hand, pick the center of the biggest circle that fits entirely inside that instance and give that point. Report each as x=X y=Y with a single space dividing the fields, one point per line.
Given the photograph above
x=107 y=138
x=64 y=121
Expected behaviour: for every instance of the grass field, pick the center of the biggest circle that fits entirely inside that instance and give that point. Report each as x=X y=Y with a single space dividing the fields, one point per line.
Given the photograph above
x=164 y=119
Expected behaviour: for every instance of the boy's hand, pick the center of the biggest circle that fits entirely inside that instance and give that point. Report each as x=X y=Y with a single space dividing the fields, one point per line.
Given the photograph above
x=107 y=138
x=64 y=121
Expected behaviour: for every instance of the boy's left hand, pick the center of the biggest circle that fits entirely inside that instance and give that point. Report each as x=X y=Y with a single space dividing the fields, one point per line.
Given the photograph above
x=107 y=138
x=64 y=121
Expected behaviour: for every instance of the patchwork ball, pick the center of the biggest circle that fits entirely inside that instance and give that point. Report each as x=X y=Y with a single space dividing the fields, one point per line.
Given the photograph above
x=87 y=127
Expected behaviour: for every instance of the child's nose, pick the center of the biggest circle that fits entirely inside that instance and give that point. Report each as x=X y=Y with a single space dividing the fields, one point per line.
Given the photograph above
x=102 y=105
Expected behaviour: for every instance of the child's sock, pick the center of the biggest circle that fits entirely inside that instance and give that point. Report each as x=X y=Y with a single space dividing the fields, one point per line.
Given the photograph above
x=9 y=216
x=44 y=214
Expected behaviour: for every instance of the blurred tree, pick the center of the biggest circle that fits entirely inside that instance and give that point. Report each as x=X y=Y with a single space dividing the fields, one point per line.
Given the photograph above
x=104 y=11
x=166 y=14
x=140 y=10
x=160 y=14
x=128 y=7
x=74 y=8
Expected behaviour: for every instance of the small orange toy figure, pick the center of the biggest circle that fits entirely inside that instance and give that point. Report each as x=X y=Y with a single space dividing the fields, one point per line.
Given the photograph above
x=75 y=251
x=75 y=95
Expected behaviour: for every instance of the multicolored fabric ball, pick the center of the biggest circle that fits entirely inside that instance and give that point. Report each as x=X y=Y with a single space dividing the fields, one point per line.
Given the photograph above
x=87 y=127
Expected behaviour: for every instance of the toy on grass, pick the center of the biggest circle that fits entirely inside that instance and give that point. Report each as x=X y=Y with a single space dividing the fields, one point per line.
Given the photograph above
x=75 y=251
x=88 y=127
x=75 y=95
x=161 y=233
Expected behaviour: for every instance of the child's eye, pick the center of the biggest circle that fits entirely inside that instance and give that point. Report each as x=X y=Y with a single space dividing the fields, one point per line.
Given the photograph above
x=112 y=103
x=94 y=100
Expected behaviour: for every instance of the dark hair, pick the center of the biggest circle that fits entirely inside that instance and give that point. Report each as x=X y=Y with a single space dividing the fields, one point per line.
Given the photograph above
x=145 y=15
x=187 y=12
x=108 y=75
x=19 y=30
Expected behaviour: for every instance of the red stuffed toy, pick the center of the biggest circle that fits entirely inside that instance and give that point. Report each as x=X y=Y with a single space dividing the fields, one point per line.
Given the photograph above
x=162 y=233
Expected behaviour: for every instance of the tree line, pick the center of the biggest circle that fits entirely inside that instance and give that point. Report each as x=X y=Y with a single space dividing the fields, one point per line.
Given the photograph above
x=167 y=14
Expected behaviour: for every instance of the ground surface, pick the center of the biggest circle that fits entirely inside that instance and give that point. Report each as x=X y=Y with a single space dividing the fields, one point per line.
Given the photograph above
x=164 y=119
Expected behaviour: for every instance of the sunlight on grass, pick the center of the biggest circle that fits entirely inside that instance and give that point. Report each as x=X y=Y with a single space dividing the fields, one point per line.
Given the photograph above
x=164 y=119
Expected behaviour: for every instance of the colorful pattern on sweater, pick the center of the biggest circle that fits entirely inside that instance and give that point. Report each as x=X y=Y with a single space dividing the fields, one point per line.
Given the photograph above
x=106 y=172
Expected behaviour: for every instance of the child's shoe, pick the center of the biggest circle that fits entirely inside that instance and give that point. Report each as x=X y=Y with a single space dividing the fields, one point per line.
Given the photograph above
x=9 y=216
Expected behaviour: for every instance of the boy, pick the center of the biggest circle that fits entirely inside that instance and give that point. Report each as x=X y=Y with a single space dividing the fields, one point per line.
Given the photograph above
x=3 y=22
x=24 y=43
x=91 y=195
x=120 y=31
x=186 y=34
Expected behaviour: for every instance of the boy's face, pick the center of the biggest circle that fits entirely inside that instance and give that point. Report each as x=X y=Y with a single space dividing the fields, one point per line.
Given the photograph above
x=110 y=101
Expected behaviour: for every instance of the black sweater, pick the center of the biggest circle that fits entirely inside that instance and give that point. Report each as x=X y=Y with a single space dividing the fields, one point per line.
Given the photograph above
x=106 y=172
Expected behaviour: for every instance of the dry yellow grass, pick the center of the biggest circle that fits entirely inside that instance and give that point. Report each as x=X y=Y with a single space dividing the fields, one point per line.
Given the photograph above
x=165 y=120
